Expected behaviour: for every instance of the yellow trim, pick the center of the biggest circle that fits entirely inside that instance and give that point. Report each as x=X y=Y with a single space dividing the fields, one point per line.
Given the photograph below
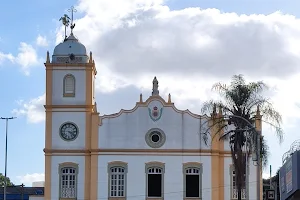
x=87 y=174
x=258 y=126
x=94 y=158
x=147 y=102
x=217 y=161
x=91 y=129
x=91 y=139
x=214 y=152
x=69 y=95
x=49 y=106
x=67 y=198
x=48 y=135
x=121 y=163
x=117 y=198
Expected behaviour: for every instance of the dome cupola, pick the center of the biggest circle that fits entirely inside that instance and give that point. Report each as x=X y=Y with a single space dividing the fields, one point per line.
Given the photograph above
x=70 y=50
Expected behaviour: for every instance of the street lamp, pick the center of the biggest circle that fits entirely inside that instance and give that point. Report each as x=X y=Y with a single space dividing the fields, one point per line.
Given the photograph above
x=257 y=152
x=5 y=168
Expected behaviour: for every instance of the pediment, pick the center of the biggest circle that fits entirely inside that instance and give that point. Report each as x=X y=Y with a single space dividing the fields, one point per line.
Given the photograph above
x=156 y=105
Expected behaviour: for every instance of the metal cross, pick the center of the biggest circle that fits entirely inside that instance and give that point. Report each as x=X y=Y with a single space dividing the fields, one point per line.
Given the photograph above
x=72 y=10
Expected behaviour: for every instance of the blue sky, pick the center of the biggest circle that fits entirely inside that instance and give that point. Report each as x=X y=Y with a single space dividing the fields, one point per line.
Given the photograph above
x=26 y=139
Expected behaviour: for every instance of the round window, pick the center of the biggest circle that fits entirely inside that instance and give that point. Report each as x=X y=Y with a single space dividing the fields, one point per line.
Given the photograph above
x=155 y=138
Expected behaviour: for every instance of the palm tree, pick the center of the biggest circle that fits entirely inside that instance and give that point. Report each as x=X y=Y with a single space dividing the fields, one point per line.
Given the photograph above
x=243 y=100
x=66 y=22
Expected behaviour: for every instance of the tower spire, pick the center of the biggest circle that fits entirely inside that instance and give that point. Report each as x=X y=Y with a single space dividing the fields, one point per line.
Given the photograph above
x=72 y=10
x=155 y=90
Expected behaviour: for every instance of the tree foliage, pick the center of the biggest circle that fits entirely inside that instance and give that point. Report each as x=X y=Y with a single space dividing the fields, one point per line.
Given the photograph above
x=243 y=103
x=2 y=181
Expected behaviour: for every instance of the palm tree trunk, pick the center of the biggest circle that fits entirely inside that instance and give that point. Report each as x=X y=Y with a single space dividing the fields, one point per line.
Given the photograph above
x=239 y=194
x=239 y=167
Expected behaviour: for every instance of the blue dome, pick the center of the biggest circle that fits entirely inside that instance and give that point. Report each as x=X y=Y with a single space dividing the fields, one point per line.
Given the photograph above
x=71 y=45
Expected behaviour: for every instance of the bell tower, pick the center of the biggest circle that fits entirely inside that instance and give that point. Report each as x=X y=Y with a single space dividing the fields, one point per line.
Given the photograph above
x=70 y=111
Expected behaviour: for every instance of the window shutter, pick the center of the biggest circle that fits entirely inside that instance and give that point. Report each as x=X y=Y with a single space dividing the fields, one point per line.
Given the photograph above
x=69 y=85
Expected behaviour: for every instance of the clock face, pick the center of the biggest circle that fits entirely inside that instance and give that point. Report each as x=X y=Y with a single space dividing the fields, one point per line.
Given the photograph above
x=69 y=131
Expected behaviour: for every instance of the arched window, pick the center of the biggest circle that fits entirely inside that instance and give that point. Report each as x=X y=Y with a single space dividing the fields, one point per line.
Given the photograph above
x=69 y=85
x=234 y=191
x=68 y=182
x=155 y=179
x=117 y=179
x=192 y=180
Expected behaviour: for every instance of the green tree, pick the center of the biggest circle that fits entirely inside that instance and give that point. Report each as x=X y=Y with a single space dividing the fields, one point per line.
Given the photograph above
x=66 y=22
x=243 y=102
x=2 y=181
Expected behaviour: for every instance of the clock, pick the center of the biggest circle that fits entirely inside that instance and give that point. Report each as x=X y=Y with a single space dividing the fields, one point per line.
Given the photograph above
x=68 y=131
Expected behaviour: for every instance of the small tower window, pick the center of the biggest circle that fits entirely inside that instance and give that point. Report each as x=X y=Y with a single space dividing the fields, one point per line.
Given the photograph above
x=69 y=86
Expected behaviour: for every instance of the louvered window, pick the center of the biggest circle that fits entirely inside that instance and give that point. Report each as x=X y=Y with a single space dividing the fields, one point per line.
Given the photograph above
x=68 y=182
x=69 y=85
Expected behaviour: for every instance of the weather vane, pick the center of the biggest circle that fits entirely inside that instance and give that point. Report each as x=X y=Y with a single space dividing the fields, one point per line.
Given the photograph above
x=65 y=21
x=72 y=10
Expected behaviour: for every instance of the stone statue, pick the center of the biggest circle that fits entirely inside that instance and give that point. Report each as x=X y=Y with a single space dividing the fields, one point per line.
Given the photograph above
x=155 y=90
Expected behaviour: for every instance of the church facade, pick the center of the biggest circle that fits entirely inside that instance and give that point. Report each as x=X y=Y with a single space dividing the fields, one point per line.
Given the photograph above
x=152 y=151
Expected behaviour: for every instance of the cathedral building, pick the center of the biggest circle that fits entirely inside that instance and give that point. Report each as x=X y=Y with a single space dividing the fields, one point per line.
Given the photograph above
x=152 y=151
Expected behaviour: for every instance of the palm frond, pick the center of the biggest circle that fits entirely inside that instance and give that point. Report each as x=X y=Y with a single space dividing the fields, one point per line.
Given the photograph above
x=243 y=100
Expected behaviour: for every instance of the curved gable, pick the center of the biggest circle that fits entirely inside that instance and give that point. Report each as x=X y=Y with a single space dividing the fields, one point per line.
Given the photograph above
x=151 y=101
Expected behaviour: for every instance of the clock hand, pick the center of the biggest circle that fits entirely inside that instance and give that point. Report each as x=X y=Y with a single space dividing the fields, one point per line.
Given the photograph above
x=71 y=132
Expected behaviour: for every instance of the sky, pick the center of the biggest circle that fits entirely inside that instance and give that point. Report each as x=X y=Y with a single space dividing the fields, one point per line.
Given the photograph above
x=188 y=45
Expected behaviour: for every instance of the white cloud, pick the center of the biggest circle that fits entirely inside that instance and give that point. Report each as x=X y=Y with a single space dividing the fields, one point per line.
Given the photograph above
x=157 y=40
x=188 y=50
x=4 y=57
x=42 y=41
x=26 y=58
x=33 y=110
x=29 y=178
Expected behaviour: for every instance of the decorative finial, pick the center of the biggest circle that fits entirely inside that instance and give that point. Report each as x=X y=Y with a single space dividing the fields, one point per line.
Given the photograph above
x=48 y=57
x=95 y=107
x=258 y=111
x=169 y=98
x=66 y=22
x=155 y=90
x=72 y=10
x=91 y=57
x=141 y=98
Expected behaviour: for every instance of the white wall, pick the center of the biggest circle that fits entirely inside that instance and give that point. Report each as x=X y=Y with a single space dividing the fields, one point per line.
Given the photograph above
x=58 y=118
x=36 y=197
x=252 y=180
x=80 y=87
x=38 y=184
x=227 y=179
x=56 y=160
x=129 y=129
x=136 y=177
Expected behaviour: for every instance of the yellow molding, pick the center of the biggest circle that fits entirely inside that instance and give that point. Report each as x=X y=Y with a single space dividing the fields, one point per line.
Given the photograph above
x=211 y=152
x=68 y=106
x=90 y=65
